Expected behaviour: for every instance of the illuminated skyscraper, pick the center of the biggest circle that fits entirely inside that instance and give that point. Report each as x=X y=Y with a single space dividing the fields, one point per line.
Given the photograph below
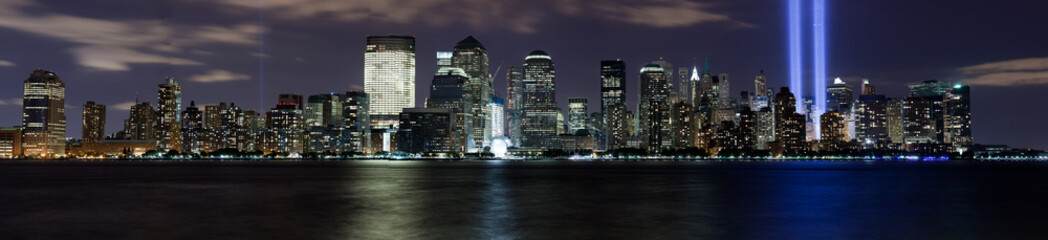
x=389 y=77
x=654 y=108
x=833 y=129
x=515 y=104
x=471 y=56
x=871 y=121
x=839 y=97
x=450 y=89
x=540 y=123
x=497 y=119
x=867 y=88
x=192 y=129
x=612 y=84
x=142 y=123
x=761 y=93
x=356 y=133
x=444 y=59
x=683 y=125
x=94 y=125
x=958 y=121
x=894 y=115
x=765 y=128
x=578 y=107
x=618 y=126
x=169 y=106
x=43 y=115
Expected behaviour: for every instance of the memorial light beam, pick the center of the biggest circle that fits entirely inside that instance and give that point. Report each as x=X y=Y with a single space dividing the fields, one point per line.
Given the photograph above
x=796 y=84
x=819 y=55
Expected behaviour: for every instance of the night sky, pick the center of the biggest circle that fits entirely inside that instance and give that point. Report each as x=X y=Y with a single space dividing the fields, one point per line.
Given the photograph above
x=107 y=51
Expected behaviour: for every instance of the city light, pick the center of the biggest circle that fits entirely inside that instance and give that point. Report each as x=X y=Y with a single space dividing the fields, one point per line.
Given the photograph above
x=819 y=55
x=796 y=84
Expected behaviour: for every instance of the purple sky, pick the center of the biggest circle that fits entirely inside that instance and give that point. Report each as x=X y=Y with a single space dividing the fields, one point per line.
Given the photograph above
x=107 y=51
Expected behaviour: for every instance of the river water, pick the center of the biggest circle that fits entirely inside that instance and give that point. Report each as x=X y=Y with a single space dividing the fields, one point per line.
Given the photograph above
x=523 y=200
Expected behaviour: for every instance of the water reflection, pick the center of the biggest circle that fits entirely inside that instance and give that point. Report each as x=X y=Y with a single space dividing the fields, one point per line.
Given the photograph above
x=497 y=219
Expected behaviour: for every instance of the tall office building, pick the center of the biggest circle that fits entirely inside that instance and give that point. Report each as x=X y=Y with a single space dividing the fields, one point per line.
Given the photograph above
x=612 y=92
x=515 y=104
x=169 y=106
x=765 y=128
x=192 y=129
x=578 y=107
x=356 y=133
x=43 y=115
x=684 y=85
x=833 y=129
x=94 y=125
x=142 y=123
x=871 y=121
x=213 y=115
x=761 y=93
x=618 y=126
x=789 y=125
x=894 y=115
x=839 y=96
x=654 y=107
x=683 y=125
x=958 y=121
x=471 y=56
x=923 y=119
x=540 y=107
x=451 y=89
x=389 y=77
x=497 y=120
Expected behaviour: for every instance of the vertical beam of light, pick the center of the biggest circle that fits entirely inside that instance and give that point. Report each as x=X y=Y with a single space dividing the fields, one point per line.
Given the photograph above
x=795 y=51
x=819 y=54
x=261 y=54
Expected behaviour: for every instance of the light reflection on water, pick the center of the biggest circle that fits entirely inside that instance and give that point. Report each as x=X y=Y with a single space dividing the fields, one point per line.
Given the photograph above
x=515 y=200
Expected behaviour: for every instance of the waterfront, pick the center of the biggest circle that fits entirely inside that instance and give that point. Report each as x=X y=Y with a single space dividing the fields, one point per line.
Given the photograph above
x=522 y=200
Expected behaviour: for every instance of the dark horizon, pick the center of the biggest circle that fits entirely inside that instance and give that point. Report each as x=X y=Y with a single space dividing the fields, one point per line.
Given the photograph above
x=214 y=47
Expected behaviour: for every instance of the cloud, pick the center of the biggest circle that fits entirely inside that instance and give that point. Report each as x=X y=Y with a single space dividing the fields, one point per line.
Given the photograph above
x=124 y=106
x=5 y=63
x=516 y=15
x=219 y=75
x=1018 y=72
x=13 y=101
x=113 y=45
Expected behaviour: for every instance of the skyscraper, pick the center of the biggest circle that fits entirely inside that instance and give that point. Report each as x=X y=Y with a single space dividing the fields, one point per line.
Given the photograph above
x=389 y=77
x=618 y=126
x=833 y=130
x=958 y=121
x=142 y=123
x=894 y=115
x=789 y=125
x=169 y=106
x=471 y=56
x=451 y=89
x=577 y=109
x=94 y=125
x=540 y=107
x=515 y=104
x=871 y=121
x=612 y=84
x=839 y=96
x=192 y=129
x=43 y=115
x=683 y=124
x=356 y=133
x=761 y=93
x=654 y=108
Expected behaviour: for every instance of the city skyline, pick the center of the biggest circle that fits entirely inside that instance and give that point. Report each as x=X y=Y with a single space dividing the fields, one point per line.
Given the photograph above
x=575 y=68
